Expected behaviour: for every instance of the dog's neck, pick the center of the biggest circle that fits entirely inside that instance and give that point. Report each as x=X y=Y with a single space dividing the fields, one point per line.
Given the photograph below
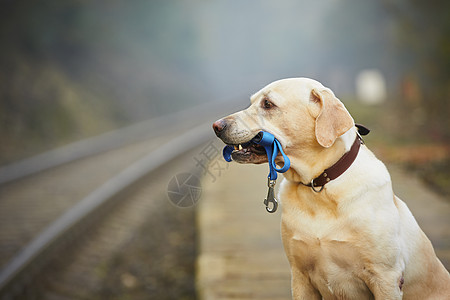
x=307 y=166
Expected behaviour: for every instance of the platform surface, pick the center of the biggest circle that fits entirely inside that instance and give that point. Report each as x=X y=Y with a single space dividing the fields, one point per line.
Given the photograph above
x=240 y=250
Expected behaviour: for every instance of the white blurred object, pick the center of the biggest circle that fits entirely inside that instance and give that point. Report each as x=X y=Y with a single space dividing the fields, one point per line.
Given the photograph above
x=371 y=86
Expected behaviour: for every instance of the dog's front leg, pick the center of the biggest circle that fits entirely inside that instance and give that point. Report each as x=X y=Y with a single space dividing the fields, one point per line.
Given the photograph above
x=385 y=285
x=302 y=287
x=387 y=293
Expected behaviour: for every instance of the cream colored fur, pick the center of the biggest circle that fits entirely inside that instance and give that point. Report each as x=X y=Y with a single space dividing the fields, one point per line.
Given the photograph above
x=355 y=239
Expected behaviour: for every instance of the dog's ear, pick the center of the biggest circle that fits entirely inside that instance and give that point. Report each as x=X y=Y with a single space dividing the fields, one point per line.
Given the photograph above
x=333 y=119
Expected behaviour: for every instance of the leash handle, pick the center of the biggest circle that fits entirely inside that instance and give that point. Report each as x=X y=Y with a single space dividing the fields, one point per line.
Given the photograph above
x=272 y=147
x=287 y=161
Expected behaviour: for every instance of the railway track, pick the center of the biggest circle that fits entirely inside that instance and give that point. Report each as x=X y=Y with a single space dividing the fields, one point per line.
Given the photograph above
x=29 y=205
x=60 y=217
x=126 y=251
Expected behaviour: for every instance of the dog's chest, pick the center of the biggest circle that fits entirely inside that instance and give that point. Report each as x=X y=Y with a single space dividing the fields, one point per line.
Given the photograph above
x=330 y=264
x=326 y=249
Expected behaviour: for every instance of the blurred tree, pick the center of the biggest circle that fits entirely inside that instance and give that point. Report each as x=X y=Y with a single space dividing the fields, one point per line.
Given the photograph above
x=423 y=43
x=70 y=69
x=40 y=105
x=408 y=40
x=356 y=35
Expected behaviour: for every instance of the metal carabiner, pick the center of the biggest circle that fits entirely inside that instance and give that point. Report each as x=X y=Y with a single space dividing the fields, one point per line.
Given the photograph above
x=271 y=197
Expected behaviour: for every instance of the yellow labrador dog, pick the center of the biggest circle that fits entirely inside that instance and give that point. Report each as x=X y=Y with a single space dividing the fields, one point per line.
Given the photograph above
x=348 y=237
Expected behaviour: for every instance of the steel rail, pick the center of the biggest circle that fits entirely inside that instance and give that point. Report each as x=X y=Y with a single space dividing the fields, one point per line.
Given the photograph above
x=112 y=139
x=23 y=268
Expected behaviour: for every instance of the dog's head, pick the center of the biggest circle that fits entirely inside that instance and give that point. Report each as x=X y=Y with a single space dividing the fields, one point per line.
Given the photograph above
x=301 y=113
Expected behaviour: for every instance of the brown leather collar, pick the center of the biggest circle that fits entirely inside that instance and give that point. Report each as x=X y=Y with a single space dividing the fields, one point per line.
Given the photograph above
x=341 y=165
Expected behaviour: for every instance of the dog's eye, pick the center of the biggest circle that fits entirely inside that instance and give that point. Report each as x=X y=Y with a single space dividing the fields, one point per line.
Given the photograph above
x=267 y=104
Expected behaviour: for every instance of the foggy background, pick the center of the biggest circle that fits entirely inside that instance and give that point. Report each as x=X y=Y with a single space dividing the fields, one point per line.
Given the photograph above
x=72 y=69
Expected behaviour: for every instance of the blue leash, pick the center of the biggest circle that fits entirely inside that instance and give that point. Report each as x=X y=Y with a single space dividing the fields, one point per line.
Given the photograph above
x=272 y=147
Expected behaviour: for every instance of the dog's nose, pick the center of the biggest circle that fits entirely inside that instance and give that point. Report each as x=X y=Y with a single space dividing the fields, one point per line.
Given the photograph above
x=219 y=126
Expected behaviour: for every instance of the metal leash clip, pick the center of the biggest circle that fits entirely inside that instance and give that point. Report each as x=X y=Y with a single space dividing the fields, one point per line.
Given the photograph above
x=273 y=148
x=271 y=197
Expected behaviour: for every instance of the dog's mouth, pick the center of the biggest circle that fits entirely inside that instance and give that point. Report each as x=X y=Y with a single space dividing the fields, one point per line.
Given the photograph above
x=249 y=152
